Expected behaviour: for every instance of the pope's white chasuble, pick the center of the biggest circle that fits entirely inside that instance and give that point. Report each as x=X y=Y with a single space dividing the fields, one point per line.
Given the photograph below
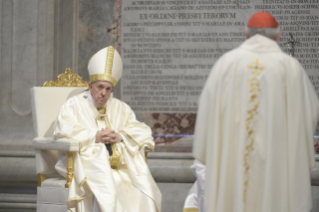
x=254 y=131
x=127 y=186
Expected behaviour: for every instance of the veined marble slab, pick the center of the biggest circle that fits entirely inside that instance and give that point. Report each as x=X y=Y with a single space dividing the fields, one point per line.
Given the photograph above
x=95 y=18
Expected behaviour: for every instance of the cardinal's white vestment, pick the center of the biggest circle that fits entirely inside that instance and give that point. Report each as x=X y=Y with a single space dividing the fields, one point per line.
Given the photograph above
x=254 y=131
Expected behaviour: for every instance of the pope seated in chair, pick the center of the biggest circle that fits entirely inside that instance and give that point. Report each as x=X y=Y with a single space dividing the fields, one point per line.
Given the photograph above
x=110 y=171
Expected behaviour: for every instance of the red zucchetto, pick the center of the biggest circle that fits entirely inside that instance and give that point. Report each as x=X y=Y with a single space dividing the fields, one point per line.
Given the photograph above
x=262 y=20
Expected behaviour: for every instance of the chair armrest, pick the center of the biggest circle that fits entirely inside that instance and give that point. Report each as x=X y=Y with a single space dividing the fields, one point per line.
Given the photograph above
x=48 y=143
x=46 y=159
x=146 y=148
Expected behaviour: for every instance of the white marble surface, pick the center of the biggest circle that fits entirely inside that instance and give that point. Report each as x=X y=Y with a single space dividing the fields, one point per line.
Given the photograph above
x=16 y=173
x=26 y=60
x=16 y=130
x=163 y=170
x=6 y=43
x=172 y=170
x=68 y=38
x=315 y=198
x=173 y=195
x=65 y=36
x=24 y=54
x=17 y=169
x=27 y=198
x=45 y=42
x=0 y=31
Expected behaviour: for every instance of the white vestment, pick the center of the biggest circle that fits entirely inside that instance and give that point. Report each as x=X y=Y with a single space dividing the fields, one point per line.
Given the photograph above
x=195 y=198
x=127 y=187
x=254 y=131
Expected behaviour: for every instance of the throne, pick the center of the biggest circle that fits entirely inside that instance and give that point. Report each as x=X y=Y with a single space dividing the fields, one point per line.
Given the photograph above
x=52 y=193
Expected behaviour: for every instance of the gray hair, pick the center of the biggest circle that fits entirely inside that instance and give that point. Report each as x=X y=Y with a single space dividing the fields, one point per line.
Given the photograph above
x=271 y=33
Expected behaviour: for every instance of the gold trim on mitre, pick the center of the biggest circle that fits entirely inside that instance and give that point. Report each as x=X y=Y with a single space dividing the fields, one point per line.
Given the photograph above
x=107 y=76
x=103 y=77
x=190 y=210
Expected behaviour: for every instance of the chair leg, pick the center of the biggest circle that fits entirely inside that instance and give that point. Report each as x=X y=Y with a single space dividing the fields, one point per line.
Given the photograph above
x=41 y=178
x=69 y=175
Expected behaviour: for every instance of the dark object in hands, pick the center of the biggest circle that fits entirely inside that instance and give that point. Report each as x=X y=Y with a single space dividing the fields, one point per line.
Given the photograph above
x=109 y=148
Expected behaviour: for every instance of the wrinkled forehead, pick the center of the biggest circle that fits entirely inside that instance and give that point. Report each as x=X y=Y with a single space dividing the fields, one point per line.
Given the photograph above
x=102 y=83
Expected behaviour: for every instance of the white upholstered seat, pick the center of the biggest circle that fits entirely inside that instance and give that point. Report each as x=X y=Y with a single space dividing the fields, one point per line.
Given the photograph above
x=46 y=103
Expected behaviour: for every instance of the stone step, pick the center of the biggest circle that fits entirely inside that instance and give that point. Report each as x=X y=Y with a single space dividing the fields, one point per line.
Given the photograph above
x=18 y=202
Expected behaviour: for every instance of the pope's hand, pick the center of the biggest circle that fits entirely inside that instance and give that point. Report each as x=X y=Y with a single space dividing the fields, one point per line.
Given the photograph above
x=107 y=136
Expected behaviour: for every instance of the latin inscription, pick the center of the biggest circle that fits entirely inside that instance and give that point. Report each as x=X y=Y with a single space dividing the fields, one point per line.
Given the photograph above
x=169 y=47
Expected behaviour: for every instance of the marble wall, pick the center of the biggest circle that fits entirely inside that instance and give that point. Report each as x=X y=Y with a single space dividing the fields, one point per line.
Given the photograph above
x=38 y=42
x=26 y=60
x=95 y=19
x=65 y=36
x=97 y=27
x=27 y=45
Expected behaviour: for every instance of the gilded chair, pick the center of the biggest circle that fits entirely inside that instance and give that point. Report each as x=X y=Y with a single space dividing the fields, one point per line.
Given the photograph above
x=52 y=193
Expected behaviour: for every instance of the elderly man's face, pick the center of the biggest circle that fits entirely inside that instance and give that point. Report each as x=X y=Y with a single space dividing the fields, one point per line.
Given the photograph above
x=101 y=91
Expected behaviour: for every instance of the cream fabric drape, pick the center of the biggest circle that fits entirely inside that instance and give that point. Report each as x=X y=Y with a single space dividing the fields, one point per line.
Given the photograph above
x=130 y=186
x=254 y=131
x=195 y=198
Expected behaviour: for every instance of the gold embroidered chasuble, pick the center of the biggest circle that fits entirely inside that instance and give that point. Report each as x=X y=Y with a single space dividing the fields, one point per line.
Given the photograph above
x=254 y=131
x=96 y=186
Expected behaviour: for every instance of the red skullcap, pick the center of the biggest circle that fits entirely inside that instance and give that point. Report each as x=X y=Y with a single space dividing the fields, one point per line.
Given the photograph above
x=262 y=20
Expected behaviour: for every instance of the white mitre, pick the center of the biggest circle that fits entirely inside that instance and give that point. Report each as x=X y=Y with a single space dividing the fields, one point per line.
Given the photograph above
x=106 y=65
